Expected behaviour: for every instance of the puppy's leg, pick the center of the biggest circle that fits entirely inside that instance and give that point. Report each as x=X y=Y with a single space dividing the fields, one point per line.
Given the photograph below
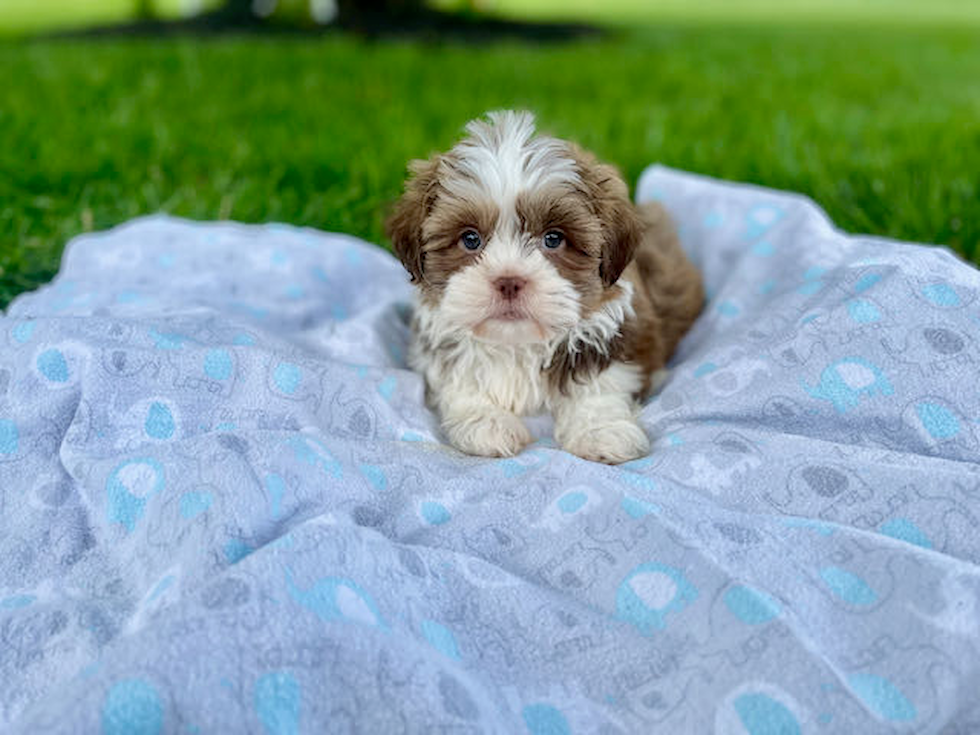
x=597 y=420
x=475 y=425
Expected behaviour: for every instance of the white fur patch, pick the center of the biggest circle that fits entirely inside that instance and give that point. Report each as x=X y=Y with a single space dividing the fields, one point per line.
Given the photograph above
x=502 y=157
x=474 y=373
x=486 y=432
x=597 y=420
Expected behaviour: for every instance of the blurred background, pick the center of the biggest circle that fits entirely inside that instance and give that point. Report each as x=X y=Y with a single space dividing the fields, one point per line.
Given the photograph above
x=306 y=111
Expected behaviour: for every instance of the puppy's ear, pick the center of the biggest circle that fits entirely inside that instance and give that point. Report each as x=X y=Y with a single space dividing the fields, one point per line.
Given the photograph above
x=404 y=226
x=622 y=228
x=623 y=233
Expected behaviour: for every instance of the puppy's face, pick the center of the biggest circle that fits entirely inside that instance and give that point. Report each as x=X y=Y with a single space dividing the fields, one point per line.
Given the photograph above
x=513 y=238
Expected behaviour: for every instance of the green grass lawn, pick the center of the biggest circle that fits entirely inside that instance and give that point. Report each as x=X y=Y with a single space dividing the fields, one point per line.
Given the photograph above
x=881 y=127
x=767 y=12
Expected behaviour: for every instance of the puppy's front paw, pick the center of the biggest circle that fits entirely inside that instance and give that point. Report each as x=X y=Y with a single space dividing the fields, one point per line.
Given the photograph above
x=612 y=443
x=496 y=434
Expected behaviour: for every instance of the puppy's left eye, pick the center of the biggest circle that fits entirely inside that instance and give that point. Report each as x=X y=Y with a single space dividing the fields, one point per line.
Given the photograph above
x=553 y=239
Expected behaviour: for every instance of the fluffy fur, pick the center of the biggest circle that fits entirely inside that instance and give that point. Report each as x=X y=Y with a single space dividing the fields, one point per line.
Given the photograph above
x=513 y=326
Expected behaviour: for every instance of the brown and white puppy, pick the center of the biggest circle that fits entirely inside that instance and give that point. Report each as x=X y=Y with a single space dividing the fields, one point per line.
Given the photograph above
x=541 y=286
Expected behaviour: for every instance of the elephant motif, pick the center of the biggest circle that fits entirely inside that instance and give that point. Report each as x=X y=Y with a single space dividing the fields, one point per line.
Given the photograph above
x=296 y=380
x=725 y=461
x=935 y=349
x=828 y=488
x=731 y=371
x=845 y=382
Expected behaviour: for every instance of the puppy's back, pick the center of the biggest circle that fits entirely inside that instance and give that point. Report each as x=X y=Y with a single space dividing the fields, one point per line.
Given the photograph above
x=669 y=279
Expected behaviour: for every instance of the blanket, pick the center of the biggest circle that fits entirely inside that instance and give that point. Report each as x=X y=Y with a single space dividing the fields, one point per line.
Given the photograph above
x=225 y=508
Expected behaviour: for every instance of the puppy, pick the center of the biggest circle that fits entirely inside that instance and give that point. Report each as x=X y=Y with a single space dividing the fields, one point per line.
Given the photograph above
x=541 y=286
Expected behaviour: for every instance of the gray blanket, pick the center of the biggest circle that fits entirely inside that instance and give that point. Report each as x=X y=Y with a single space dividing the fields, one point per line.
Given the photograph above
x=224 y=507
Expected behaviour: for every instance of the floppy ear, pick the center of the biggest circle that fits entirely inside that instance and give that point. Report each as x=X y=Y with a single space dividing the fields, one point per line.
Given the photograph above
x=623 y=232
x=621 y=224
x=404 y=226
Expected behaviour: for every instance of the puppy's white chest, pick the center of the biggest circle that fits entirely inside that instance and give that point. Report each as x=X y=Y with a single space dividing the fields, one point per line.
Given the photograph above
x=513 y=378
x=508 y=376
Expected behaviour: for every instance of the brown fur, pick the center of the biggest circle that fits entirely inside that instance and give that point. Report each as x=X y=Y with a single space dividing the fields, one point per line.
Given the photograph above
x=404 y=226
x=427 y=222
x=668 y=296
x=668 y=293
x=579 y=259
x=442 y=255
x=608 y=196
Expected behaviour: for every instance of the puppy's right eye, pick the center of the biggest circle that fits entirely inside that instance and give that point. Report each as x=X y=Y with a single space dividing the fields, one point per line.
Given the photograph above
x=471 y=240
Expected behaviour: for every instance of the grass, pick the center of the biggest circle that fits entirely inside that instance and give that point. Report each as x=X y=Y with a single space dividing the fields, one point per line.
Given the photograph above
x=881 y=127
x=767 y=12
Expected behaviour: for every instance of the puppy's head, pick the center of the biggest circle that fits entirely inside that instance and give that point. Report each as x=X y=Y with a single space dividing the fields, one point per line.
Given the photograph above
x=513 y=237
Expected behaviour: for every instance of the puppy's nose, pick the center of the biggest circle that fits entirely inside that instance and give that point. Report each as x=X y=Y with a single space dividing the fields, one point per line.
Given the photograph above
x=510 y=286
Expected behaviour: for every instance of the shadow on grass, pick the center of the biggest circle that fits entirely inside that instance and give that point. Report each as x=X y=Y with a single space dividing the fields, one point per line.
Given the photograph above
x=423 y=24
